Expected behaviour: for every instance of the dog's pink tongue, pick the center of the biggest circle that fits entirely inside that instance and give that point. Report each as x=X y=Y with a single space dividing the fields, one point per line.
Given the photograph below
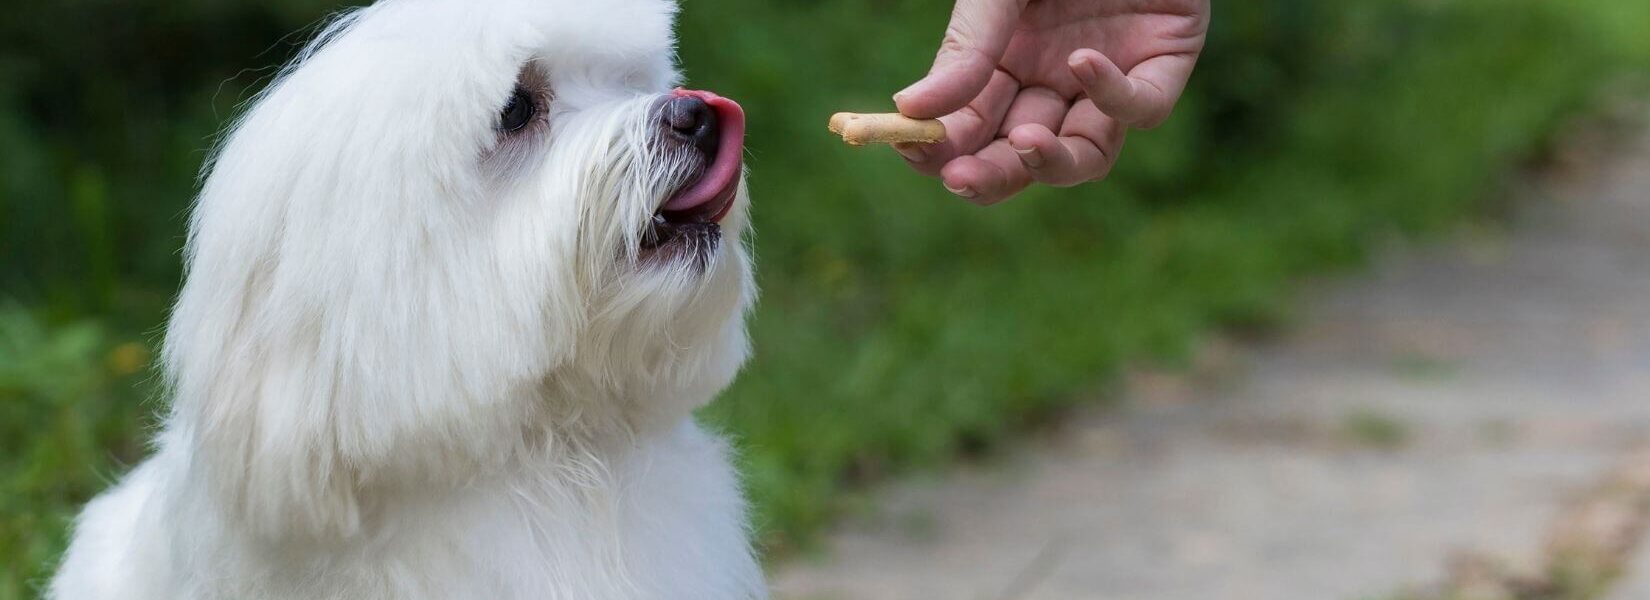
x=719 y=180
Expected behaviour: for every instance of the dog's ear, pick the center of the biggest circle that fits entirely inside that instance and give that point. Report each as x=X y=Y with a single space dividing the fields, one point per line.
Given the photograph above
x=298 y=409
x=345 y=325
x=260 y=430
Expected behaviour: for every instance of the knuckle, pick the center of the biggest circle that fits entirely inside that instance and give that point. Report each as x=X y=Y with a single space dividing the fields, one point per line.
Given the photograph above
x=1052 y=178
x=955 y=41
x=1089 y=174
x=1151 y=119
x=959 y=44
x=1056 y=178
x=1075 y=180
x=954 y=45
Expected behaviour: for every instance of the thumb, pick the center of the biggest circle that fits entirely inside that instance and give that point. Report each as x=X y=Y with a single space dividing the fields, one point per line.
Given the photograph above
x=974 y=42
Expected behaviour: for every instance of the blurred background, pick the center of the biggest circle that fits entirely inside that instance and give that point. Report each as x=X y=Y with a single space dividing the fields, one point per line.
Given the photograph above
x=899 y=328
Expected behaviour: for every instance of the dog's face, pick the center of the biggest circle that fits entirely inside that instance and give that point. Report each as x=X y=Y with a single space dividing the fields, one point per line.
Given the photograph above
x=452 y=224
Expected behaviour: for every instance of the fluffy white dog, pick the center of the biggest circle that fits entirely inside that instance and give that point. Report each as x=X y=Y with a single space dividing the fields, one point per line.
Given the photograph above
x=455 y=283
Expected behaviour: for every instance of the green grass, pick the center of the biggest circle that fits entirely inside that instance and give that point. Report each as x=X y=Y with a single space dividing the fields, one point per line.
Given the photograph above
x=897 y=325
x=65 y=425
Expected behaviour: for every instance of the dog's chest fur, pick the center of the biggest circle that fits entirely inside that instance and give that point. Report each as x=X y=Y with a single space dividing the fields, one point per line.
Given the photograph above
x=664 y=522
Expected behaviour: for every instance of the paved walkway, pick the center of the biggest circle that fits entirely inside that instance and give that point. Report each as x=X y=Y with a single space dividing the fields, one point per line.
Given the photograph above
x=1456 y=399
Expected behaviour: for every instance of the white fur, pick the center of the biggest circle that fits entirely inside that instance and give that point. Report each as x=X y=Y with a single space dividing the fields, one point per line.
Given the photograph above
x=414 y=359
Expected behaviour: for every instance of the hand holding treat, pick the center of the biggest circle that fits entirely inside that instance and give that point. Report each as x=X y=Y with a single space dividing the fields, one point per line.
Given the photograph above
x=1043 y=91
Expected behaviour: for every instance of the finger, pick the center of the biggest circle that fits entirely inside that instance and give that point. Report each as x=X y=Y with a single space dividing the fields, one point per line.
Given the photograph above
x=1085 y=151
x=975 y=40
x=988 y=177
x=1044 y=156
x=1094 y=140
x=1058 y=161
x=1035 y=105
x=967 y=130
x=1145 y=96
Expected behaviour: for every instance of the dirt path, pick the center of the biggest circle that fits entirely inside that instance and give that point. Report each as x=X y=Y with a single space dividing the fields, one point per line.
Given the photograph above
x=1458 y=399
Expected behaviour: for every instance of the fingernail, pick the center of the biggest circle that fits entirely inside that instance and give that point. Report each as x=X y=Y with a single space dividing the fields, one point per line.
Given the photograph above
x=912 y=152
x=1084 y=68
x=903 y=94
x=963 y=191
x=1030 y=156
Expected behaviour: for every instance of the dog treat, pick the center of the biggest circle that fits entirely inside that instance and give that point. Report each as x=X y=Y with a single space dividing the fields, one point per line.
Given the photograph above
x=890 y=128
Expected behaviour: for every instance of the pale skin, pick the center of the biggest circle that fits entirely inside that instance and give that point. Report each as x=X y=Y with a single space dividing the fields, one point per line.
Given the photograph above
x=1045 y=91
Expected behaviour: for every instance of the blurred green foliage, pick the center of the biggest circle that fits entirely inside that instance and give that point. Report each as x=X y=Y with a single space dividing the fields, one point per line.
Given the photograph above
x=898 y=325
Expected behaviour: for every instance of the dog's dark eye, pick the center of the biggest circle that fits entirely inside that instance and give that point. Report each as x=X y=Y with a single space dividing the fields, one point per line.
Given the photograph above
x=518 y=112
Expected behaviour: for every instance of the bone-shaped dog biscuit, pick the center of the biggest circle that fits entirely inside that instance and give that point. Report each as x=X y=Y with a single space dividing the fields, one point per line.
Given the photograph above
x=890 y=128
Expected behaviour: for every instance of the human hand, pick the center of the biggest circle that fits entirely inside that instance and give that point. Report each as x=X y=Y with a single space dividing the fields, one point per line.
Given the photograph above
x=1045 y=90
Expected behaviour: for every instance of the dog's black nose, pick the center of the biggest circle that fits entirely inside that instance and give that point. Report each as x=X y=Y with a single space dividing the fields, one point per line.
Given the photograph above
x=689 y=118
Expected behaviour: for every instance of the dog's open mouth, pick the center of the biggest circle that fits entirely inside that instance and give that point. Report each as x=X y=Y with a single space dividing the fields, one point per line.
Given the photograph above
x=691 y=215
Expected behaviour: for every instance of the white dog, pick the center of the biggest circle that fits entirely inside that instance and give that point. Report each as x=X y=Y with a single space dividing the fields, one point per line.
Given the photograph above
x=455 y=283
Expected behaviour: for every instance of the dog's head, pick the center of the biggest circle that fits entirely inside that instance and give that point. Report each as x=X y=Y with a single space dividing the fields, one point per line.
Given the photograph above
x=452 y=230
